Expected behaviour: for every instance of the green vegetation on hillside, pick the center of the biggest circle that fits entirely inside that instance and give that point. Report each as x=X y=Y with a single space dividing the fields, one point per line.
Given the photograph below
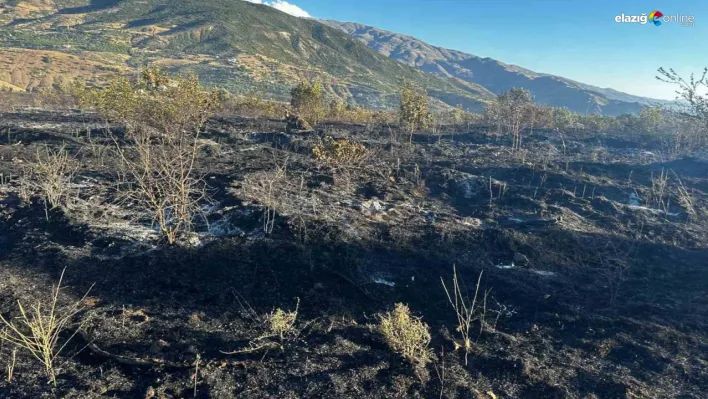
x=62 y=40
x=212 y=37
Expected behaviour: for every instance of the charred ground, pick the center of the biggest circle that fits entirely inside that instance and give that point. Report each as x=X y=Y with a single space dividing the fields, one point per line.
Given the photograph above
x=611 y=304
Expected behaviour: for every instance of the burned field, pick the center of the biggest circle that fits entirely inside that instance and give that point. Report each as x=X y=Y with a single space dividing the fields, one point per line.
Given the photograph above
x=590 y=252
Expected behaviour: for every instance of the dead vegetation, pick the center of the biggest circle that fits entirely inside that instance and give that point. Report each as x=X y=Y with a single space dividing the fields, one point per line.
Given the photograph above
x=351 y=229
x=282 y=322
x=62 y=95
x=282 y=191
x=268 y=189
x=685 y=197
x=39 y=330
x=467 y=312
x=50 y=174
x=11 y=366
x=612 y=261
x=163 y=119
x=340 y=152
x=406 y=334
x=252 y=105
x=514 y=111
x=659 y=191
x=274 y=330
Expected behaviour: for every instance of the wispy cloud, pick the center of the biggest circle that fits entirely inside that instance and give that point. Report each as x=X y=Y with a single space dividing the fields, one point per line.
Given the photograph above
x=285 y=7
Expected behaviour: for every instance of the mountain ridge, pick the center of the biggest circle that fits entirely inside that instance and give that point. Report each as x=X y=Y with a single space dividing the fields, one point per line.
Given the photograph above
x=254 y=48
x=238 y=45
x=494 y=75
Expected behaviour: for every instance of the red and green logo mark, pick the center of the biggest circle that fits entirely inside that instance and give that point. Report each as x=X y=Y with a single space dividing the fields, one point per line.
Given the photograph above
x=655 y=17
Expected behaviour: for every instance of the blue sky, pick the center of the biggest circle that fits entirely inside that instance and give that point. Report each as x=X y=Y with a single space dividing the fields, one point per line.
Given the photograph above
x=579 y=40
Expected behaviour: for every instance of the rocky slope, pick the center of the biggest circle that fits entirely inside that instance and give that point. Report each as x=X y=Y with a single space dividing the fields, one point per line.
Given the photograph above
x=494 y=75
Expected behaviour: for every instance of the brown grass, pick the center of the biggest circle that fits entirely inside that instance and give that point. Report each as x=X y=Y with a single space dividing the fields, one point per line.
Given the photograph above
x=467 y=312
x=406 y=334
x=39 y=328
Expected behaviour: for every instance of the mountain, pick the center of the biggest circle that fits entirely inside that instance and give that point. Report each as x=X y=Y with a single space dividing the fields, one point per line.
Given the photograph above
x=238 y=45
x=253 y=48
x=494 y=75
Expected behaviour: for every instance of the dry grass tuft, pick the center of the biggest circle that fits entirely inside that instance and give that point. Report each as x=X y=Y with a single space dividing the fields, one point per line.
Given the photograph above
x=467 y=312
x=406 y=334
x=685 y=198
x=50 y=174
x=278 y=327
x=268 y=189
x=282 y=322
x=38 y=329
x=281 y=192
x=340 y=152
x=11 y=366
x=659 y=191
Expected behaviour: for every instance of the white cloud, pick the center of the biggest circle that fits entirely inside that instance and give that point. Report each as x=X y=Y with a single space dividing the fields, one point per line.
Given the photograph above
x=285 y=7
x=289 y=8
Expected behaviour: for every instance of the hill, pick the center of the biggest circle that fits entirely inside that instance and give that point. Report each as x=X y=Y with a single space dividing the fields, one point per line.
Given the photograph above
x=494 y=75
x=230 y=43
x=253 y=48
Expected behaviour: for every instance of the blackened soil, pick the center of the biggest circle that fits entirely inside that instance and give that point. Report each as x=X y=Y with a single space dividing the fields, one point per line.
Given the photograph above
x=611 y=304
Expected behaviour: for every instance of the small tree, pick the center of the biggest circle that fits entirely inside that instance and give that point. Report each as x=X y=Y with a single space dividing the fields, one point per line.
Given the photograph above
x=598 y=123
x=455 y=116
x=413 y=112
x=307 y=99
x=651 y=119
x=629 y=123
x=63 y=94
x=337 y=108
x=692 y=116
x=563 y=118
x=692 y=91
x=492 y=115
x=514 y=110
x=163 y=117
